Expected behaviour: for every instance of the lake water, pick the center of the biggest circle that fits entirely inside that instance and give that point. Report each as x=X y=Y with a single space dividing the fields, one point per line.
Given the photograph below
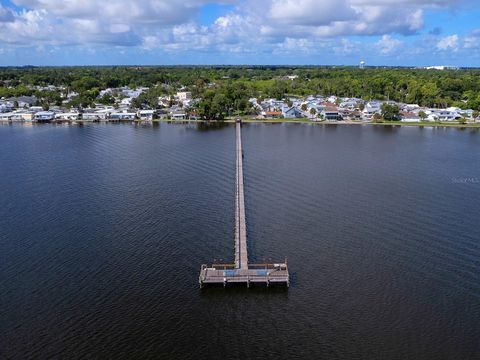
x=103 y=229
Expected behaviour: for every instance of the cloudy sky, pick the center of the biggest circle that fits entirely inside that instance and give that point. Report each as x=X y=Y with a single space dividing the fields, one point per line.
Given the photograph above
x=381 y=32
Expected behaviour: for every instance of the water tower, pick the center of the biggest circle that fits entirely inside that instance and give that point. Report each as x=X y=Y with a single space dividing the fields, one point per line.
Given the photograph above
x=362 y=64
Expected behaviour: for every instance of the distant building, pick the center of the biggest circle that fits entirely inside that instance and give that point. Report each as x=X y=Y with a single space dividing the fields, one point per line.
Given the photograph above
x=184 y=95
x=441 y=67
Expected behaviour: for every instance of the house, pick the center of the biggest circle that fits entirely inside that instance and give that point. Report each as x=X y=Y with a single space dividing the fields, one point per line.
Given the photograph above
x=330 y=113
x=126 y=101
x=44 y=116
x=6 y=116
x=133 y=93
x=162 y=113
x=146 y=114
x=70 y=116
x=184 y=95
x=23 y=116
x=291 y=112
x=90 y=116
x=371 y=108
x=98 y=115
x=409 y=117
x=445 y=115
x=350 y=114
x=178 y=114
x=272 y=114
x=6 y=106
x=122 y=116
x=24 y=101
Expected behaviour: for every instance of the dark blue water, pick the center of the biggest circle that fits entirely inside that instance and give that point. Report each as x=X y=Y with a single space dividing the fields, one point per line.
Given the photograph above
x=103 y=229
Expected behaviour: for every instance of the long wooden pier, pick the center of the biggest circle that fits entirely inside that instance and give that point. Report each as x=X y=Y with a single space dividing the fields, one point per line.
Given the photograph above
x=241 y=271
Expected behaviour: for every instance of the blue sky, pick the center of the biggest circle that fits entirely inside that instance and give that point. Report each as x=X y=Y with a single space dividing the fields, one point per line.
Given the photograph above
x=165 y=32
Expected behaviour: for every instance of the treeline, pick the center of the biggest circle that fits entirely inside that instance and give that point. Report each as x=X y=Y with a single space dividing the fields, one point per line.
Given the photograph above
x=226 y=90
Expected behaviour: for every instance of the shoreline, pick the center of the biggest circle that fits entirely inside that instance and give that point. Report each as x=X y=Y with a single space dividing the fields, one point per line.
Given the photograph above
x=386 y=123
x=261 y=121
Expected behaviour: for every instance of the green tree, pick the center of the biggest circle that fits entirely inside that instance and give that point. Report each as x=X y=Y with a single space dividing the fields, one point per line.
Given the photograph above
x=377 y=118
x=422 y=115
x=106 y=99
x=390 y=112
x=475 y=114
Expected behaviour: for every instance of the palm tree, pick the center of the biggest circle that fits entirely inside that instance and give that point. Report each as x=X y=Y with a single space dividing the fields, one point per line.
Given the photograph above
x=313 y=112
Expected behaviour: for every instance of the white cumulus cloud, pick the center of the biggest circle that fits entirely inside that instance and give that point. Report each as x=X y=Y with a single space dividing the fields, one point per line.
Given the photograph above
x=448 y=43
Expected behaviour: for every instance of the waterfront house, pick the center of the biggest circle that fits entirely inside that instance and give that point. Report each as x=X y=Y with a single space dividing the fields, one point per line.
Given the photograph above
x=97 y=115
x=445 y=115
x=409 y=117
x=330 y=113
x=44 y=116
x=122 y=116
x=23 y=116
x=178 y=114
x=350 y=114
x=272 y=114
x=291 y=112
x=371 y=108
x=7 y=116
x=146 y=114
x=69 y=116
x=90 y=116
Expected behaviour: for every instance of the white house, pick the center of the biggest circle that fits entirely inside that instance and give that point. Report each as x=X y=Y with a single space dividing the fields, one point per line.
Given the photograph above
x=126 y=101
x=44 y=116
x=6 y=116
x=410 y=117
x=123 y=116
x=146 y=114
x=23 y=116
x=70 y=116
x=178 y=114
x=184 y=95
